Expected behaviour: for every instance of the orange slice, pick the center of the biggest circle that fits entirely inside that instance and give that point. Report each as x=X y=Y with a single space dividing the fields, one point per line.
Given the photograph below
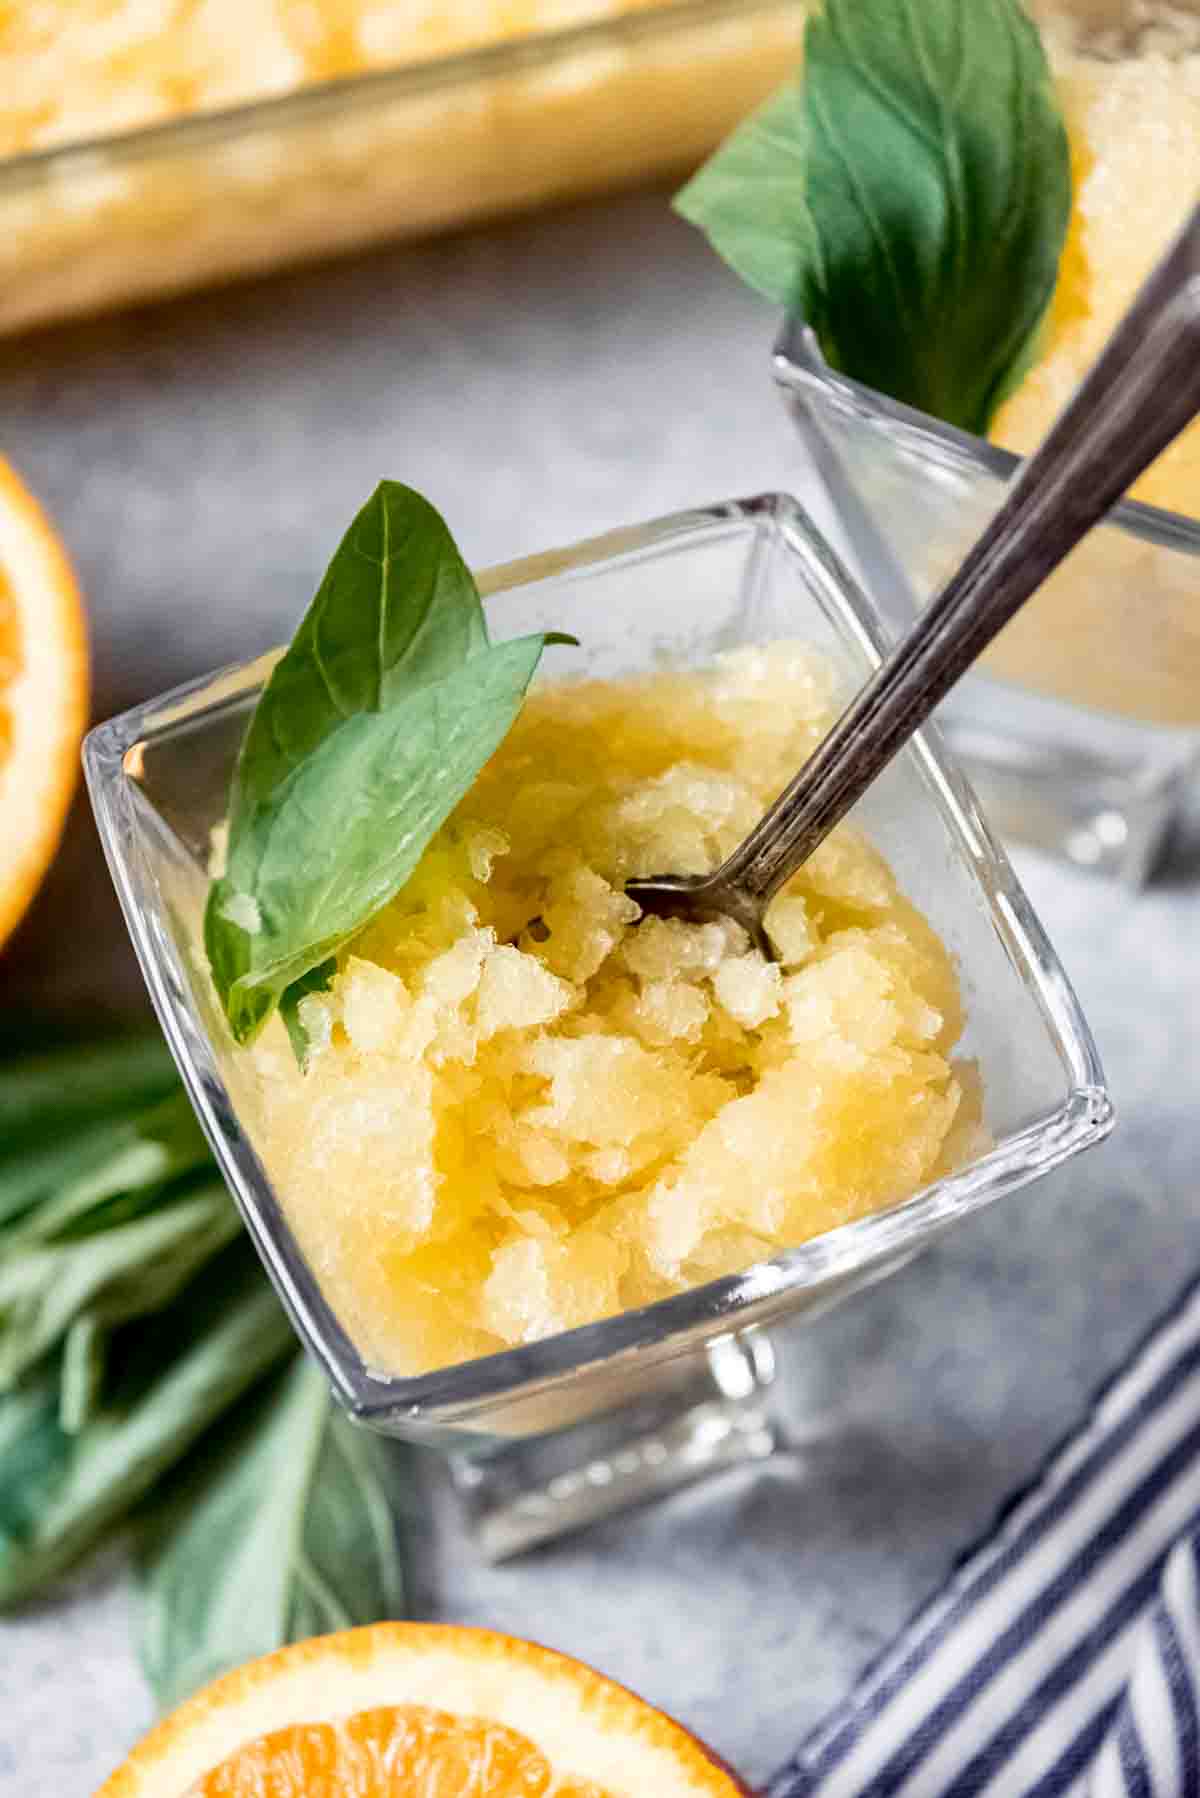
x=43 y=693
x=402 y=1708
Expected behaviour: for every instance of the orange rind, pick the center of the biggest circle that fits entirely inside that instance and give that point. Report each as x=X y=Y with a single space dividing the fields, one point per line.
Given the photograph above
x=399 y=1708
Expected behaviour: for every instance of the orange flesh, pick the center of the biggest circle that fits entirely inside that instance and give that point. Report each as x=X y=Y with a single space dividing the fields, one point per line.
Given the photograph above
x=391 y=1752
x=397 y=1710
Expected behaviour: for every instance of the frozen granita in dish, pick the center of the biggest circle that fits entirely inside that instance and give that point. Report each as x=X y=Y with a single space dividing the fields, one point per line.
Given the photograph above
x=519 y=1107
x=154 y=146
x=75 y=70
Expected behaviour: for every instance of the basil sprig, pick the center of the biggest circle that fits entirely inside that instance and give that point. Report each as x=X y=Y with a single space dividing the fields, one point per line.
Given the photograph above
x=907 y=195
x=62 y=1492
x=370 y=730
x=281 y=1530
x=148 y=1374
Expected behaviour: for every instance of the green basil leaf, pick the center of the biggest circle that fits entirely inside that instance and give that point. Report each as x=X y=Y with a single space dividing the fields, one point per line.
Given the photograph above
x=42 y=1097
x=908 y=196
x=320 y=857
x=398 y=606
x=116 y=1275
x=59 y=1494
x=280 y=1529
x=317 y=980
x=391 y=665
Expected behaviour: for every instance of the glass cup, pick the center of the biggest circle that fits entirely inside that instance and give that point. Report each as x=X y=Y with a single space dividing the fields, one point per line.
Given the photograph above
x=551 y=1435
x=1083 y=738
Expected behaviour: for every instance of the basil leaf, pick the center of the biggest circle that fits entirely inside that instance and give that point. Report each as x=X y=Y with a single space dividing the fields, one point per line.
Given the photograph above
x=60 y=1493
x=321 y=856
x=317 y=980
x=116 y=1275
x=398 y=606
x=44 y=1096
x=368 y=733
x=280 y=1530
x=908 y=196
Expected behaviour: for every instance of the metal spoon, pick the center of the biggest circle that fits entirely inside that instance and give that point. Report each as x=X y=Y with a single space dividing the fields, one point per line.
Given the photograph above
x=1142 y=391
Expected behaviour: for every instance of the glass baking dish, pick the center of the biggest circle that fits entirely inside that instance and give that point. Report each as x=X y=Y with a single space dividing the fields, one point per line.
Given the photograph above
x=552 y=1434
x=398 y=152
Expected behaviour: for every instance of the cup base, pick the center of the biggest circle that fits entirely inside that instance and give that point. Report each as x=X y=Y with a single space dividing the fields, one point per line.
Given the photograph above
x=529 y=1492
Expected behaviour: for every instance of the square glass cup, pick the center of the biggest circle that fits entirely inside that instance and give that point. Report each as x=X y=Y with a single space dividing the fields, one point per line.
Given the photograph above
x=1083 y=734
x=554 y=1433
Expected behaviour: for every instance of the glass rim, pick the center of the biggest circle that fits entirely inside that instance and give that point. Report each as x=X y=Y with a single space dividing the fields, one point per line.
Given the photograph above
x=376 y=87
x=798 y=363
x=459 y=1391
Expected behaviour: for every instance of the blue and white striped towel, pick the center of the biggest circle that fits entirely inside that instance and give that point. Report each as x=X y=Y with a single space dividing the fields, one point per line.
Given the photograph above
x=1063 y=1656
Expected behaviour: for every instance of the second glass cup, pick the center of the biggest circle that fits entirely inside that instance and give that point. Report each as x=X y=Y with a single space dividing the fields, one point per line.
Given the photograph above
x=552 y=1434
x=1083 y=732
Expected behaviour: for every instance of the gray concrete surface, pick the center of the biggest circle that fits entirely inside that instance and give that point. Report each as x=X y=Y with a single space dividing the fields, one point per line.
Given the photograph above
x=541 y=380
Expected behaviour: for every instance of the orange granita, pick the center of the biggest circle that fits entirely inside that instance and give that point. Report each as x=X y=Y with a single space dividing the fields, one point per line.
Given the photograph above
x=1128 y=76
x=1128 y=72
x=525 y=1110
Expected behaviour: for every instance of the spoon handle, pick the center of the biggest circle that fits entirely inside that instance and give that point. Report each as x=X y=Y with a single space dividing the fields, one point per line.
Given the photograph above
x=1140 y=394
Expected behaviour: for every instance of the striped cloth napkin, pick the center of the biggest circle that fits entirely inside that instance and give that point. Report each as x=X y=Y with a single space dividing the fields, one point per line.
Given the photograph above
x=1063 y=1656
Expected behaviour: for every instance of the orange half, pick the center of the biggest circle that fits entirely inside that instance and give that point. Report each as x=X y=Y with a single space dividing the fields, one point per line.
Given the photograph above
x=43 y=694
x=401 y=1708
